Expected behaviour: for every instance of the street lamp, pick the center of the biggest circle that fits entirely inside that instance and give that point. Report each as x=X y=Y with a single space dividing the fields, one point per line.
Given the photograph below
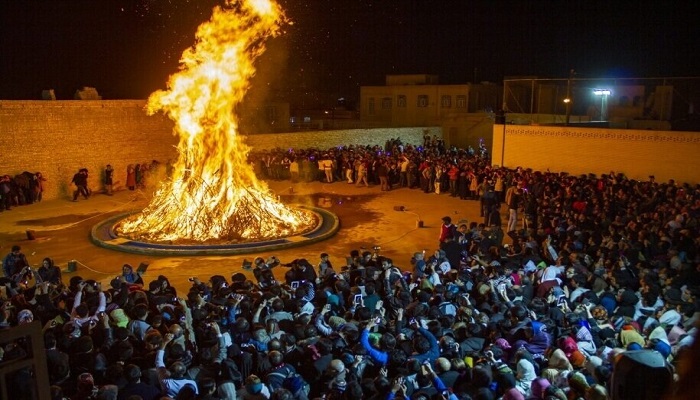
x=603 y=93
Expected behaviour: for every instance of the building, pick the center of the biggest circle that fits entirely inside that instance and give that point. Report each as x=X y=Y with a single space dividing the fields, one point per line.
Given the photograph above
x=619 y=103
x=463 y=111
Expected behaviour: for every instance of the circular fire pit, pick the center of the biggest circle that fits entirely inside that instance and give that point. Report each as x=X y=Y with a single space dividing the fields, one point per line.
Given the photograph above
x=104 y=235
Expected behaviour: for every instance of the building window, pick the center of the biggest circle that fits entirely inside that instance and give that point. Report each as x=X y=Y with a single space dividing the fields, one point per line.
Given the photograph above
x=371 y=106
x=422 y=100
x=446 y=101
x=386 y=103
x=401 y=101
x=462 y=101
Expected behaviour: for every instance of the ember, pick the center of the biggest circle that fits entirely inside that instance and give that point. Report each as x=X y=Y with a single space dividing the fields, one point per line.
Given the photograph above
x=213 y=194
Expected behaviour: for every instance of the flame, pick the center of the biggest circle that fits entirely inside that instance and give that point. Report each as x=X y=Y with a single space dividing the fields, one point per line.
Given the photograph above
x=213 y=193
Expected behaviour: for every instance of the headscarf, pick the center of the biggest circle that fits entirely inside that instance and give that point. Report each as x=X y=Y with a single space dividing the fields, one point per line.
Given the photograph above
x=659 y=341
x=539 y=385
x=585 y=341
x=597 y=392
x=578 y=383
x=630 y=336
x=559 y=361
x=524 y=377
x=568 y=345
x=513 y=394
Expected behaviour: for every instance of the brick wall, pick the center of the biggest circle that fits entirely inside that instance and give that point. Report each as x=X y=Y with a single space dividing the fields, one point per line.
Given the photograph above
x=636 y=153
x=59 y=137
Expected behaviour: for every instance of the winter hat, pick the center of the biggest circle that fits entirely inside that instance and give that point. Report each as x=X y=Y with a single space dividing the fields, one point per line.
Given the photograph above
x=119 y=318
x=253 y=384
x=24 y=317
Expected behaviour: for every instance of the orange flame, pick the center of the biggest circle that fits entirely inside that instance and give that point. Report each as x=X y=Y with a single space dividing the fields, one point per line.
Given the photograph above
x=213 y=193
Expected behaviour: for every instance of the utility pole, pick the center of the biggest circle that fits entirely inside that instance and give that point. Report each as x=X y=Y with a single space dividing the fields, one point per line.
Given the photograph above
x=567 y=100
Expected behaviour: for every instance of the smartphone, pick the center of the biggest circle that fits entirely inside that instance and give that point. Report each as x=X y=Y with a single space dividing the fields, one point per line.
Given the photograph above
x=358 y=299
x=561 y=301
x=295 y=285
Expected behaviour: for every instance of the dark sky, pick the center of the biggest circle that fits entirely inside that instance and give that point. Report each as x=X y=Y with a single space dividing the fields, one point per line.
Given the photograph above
x=127 y=48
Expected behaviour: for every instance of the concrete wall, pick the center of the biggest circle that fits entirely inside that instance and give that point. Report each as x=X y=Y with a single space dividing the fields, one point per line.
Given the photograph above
x=636 y=153
x=59 y=137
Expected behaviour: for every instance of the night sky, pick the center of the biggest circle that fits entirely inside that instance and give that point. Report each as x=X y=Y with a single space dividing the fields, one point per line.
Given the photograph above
x=127 y=48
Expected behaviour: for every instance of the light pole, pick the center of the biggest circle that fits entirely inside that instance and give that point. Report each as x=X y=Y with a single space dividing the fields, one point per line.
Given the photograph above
x=603 y=93
x=567 y=100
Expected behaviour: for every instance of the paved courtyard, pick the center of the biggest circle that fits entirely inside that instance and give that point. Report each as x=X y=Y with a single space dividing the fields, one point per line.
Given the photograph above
x=368 y=218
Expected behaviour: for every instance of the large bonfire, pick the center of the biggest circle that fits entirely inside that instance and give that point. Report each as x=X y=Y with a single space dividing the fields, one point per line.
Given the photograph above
x=213 y=194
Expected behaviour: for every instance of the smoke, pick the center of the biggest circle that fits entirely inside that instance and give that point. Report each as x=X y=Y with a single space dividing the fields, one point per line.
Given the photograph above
x=270 y=84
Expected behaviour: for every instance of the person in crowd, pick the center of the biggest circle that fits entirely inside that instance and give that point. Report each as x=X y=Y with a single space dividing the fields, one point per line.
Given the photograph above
x=14 y=262
x=80 y=180
x=109 y=179
x=547 y=316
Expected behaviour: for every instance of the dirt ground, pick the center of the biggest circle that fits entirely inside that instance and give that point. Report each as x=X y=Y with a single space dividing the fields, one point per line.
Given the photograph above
x=368 y=218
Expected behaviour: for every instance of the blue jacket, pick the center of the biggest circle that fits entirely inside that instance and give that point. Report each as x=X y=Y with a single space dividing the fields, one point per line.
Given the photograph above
x=377 y=356
x=433 y=353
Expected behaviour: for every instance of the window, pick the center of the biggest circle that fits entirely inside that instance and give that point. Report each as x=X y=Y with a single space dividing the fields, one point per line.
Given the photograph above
x=446 y=101
x=401 y=101
x=422 y=100
x=370 y=106
x=461 y=101
x=386 y=103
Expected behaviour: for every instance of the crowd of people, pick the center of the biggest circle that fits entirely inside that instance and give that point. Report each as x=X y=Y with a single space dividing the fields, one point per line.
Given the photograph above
x=24 y=188
x=541 y=306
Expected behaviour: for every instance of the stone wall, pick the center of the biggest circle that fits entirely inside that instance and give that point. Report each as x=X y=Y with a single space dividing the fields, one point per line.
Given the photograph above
x=328 y=139
x=59 y=137
x=636 y=153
